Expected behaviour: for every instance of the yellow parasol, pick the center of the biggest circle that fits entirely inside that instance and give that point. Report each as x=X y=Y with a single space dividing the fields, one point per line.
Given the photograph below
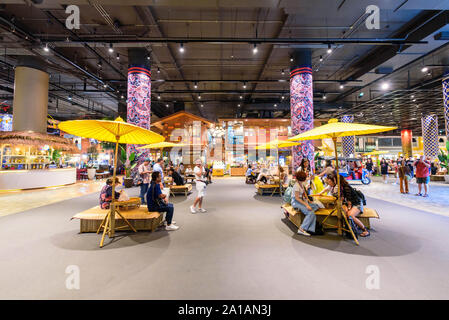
x=333 y=130
x=161 y=145
x=117 y=131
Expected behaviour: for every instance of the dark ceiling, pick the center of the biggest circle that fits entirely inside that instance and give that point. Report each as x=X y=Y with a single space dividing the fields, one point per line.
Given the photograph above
x=218 y=37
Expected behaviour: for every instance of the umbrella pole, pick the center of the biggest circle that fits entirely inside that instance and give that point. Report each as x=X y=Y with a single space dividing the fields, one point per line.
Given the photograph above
x=339 y=203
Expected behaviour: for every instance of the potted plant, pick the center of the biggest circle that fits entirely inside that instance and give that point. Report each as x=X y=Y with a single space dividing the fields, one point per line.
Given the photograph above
x=129 y=163
x=91 y=171
x=444 y=160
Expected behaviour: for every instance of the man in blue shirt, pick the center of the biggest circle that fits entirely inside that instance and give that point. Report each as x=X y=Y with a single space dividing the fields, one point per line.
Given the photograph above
x=155 y=201
x=159 y=167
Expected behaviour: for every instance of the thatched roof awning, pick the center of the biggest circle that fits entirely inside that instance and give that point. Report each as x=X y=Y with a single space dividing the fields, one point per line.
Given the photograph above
x=36 y=139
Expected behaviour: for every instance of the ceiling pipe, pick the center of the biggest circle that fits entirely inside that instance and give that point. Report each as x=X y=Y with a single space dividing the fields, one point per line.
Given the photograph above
x=184 y=40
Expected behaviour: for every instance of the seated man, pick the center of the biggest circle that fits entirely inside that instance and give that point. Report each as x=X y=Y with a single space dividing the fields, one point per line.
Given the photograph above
x=106 y=193
x=176 y=177
x=156 y=201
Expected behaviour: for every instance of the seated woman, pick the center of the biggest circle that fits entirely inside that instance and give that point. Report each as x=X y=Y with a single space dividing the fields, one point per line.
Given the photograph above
x=301 y=202
x=106 y=193
x=176 y=177
x=352 y=204
x=156 y=201
x=264 y=174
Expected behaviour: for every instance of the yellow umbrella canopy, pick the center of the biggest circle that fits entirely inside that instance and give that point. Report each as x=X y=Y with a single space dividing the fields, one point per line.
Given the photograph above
x=111 y=131
x=334 y=129
x=161 y=145
x=277 y=144
x=117 y=131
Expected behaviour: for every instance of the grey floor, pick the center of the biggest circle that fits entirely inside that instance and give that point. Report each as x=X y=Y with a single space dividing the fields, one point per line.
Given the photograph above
x=240 y=249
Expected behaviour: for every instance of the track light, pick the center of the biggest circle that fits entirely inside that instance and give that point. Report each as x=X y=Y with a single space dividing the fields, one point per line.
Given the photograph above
x=118 y=56
x=241 y=97
x=46 y=49
x=181 y=47
x=255 y=49
x=159 y=97
x=424 y=69
x=412 y=96
x=195 y=85
x=342 y=86
x=123 y=97
x=99 y=64
x=199 y=96
x=158 y=70
x=291 y=59
x=244 y=85
x=275 y=105
x=282 y=97
x=282 y=72
x=329 y=48
x=111 y=49
x=105 y=85
x=384 y=85
x=321 y=58
x=238 y=105
x=202 y=105
x=69 y=97
x=148 y=57
x=324 y=97
x=167 y=105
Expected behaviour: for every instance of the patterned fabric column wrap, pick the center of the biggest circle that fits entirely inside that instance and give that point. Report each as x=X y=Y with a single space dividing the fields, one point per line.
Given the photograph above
x=446 y=103
x=139 y=101
x=348 y=143
x=430 y=135
x=301 y=109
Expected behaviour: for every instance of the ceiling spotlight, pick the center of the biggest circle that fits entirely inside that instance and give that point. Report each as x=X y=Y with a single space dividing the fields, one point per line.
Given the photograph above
x=324 y=97
x=244 y=85
x=181 y=48
x=99 y=64
x=255 y=49
x=199 y=96
x=282 y=72
x=158 y=70
x=361 y=94
x=241 y=97
x=118 y=56
x=291 y=59
x=329 y=49
x=123 y=97
x=195 y=85
x=385 y=85
x=414 y=100
x=282 y=97
x=238 y=105
x=424 y=69
x=412 y=96
x=69 y=97
x=202 y=105
x=167 y=105
x=321 y=58
x=46 y=49
x=342 y=86
x=148 y=57
x=111 y=49
x=159 y=97
x=275 y=105
x=105 y=85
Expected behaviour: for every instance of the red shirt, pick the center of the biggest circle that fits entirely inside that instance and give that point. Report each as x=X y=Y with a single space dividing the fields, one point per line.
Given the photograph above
x=421 y=170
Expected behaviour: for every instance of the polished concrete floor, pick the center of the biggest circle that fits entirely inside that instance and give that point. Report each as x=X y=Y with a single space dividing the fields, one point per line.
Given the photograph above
x=240 y=249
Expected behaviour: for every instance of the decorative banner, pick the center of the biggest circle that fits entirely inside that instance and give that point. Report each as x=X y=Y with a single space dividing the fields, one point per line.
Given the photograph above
x=139 y=101
x=301 y=109
x=406 y=138
x=348 y=143
x=430 y=135
x=446 y=103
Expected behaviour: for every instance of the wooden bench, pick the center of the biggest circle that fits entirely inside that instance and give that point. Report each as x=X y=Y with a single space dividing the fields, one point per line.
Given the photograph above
x=296 y=217
x=437 y=177
x=185 y=189
x=139 y=218
x=272 y=189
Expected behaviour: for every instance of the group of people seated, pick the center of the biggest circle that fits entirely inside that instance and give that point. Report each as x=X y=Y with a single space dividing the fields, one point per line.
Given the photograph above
x=265 y=175
x=304 y=187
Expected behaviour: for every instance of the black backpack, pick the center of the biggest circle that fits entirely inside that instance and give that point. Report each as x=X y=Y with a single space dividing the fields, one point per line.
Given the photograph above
x=360 y=195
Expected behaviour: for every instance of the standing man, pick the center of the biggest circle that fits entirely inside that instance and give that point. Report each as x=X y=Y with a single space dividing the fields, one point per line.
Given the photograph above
x=144 y=173
x=200 y=187
x=422 y=175
x=159 y=166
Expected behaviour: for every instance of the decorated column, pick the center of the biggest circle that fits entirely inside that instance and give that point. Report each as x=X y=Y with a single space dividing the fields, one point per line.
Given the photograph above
x=430 y=135
x=301 y=104
x=446 y=103
x=348 y=143
x=406 y=139
x=139 y=93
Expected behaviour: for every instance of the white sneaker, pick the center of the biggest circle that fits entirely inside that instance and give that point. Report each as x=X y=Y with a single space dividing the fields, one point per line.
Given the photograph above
x=304 y=233
x=173 y=222
x=202 y=210
x=171 y=227
x=192 y=209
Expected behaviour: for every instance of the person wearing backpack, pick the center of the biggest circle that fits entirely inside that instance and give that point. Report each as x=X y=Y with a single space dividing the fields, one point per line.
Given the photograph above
x=352 y=199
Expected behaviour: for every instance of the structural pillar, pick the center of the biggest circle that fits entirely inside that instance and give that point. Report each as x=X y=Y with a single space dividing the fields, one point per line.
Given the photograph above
x=301 y=104
x=430 y=135
x=446 y=103
x=30 y=103
x=139 y=93
x=348 y=143
x=406 y=139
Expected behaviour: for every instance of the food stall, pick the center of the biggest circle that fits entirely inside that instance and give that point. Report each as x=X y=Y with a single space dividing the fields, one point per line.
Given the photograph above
x=31 y=160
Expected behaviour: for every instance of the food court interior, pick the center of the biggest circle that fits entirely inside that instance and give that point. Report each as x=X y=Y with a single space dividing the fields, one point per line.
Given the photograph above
x=250 y=90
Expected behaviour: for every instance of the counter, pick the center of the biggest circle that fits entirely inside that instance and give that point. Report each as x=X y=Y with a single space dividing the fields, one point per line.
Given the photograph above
x=31 y=179
x=238 y=171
